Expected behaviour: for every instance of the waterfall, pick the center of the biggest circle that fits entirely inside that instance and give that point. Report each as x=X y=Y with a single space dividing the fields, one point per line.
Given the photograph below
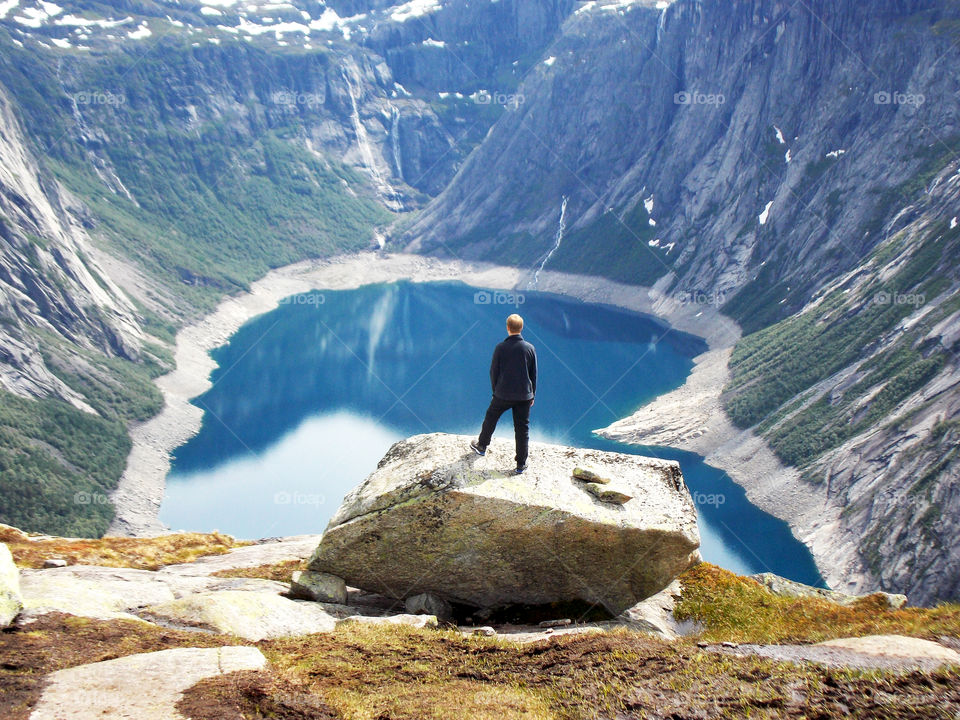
x=661 y=25
x=395 y=141
x=363 y=142
x=561 y=226
x=384 y=188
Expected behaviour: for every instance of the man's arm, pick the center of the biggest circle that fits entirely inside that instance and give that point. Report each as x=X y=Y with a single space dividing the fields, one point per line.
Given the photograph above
x=532 y=369
x=495 y=369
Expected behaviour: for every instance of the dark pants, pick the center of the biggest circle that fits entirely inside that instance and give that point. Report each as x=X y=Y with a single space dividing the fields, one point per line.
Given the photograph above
x=521 y=424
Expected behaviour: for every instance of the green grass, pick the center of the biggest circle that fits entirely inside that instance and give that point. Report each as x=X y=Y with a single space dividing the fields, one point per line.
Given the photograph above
x=370 y=672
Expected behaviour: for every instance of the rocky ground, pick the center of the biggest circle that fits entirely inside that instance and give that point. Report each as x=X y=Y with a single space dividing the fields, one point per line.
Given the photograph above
x=199 y=640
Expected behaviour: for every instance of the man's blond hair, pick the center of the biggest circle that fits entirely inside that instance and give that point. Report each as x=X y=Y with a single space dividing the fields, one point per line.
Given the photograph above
x=514 y=323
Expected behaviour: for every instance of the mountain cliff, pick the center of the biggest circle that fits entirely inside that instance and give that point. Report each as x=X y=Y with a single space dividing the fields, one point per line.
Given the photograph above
x=157 y=156
x=794 y=164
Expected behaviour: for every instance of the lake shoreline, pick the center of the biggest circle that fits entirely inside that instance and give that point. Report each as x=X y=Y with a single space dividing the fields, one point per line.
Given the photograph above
x=692 y=418
x=688 y=418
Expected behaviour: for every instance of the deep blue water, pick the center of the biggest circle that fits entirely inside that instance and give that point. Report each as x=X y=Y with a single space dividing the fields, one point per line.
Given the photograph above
x=307 y=399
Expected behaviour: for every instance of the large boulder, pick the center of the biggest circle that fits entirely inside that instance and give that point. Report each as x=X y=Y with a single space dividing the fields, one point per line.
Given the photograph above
x=436 y=518
x=10 y=601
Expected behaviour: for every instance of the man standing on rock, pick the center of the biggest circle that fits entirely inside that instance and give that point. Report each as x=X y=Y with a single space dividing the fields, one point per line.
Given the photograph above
x=513 y=376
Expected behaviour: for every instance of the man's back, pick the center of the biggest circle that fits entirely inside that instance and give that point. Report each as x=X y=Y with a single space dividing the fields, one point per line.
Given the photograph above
x=513 y=370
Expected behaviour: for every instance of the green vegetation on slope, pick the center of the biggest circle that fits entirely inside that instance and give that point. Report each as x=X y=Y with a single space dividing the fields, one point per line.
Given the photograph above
x=212 y=206
x=773 y=368
x=731 y=608
x=58 y=466
x=616 y=248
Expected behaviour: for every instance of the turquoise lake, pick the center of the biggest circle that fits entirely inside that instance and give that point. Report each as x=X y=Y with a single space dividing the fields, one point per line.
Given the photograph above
x=307 y=398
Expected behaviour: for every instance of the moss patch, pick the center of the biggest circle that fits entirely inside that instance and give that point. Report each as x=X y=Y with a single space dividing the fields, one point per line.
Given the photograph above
x=739 y=609
x=139 y=553
x=281 y=571
x=364 y=672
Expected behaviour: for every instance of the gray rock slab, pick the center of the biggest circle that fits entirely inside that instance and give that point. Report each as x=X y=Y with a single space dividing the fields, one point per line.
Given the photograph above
x=146 y=686
x=435 y=517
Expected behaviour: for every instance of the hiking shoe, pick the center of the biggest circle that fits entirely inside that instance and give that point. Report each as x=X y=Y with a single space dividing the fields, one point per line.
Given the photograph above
x=481 y=451
x=521 y=468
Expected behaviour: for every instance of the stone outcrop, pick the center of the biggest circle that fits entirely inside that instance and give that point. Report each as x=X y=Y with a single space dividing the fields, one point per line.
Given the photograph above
x=252 y=615
x=429 y=604
x=436 y=518
x=10 y=600
x=788 y=588
x=321 y=587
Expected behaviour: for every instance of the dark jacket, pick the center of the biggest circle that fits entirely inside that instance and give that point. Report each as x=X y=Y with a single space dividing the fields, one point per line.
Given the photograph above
x=513 y=370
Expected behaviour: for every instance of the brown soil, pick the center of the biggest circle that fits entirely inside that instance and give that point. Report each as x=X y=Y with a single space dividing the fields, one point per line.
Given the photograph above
x=251 y=694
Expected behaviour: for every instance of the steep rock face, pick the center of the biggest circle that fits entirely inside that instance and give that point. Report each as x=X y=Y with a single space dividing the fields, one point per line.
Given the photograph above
x=467 y=47
x=343 y=102
x=765 y=142
x=795 y=165
x=435 y=518
x=48 y=280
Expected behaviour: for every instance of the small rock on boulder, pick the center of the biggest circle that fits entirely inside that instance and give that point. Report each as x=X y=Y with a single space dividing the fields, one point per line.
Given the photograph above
x=321 y=587
x=436 y=518
x=607 y=493
x=589 y=476
x=10 y=601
